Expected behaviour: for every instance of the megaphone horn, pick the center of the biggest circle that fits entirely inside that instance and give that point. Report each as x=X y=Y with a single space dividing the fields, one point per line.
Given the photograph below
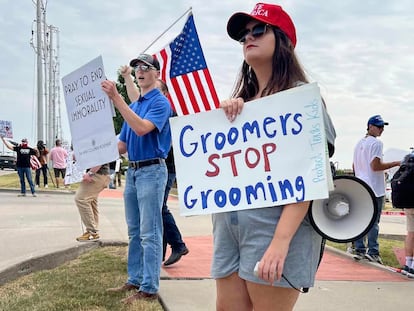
x=348 y=214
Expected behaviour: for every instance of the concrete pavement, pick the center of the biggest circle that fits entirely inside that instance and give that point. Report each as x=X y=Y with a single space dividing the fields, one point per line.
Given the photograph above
x=38 y=233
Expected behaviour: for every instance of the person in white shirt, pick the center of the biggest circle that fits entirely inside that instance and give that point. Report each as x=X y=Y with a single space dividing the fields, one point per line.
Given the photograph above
x=369 y=167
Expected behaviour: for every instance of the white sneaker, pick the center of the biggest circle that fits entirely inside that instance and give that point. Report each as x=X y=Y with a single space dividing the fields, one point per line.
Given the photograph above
x=350 y=250
x=46 y=186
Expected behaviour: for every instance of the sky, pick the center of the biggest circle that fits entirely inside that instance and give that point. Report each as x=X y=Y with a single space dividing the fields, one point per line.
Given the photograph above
x=361 y=54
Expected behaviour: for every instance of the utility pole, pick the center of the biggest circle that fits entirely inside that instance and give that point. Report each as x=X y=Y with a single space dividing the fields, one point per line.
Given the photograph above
x=51 y=109
x=48 y=90
x=39 y=51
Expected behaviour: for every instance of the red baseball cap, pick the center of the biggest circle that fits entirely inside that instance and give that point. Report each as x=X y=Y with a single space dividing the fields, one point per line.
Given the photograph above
x=267 y=13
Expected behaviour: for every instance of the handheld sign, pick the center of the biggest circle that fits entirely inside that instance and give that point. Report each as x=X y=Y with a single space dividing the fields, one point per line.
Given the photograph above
x=274 y=153
x=90 y=115
x=6 y=129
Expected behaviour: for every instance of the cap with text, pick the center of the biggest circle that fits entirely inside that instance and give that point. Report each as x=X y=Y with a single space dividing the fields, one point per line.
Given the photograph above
x=267 y=13
x=146 y=59
x=377 y=121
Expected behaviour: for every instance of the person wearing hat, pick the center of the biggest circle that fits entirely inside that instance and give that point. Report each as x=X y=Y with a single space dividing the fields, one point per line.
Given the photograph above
x=279 y=241
x=24 y=152
x=43 y=152
x=146 y=136
x=369 y=167
x=171 y=233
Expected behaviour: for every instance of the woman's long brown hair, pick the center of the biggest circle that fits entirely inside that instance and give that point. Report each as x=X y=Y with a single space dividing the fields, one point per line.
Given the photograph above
x=287 y=71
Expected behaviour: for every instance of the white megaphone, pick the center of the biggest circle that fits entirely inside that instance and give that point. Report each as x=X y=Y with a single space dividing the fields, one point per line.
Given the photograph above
x=348 y=214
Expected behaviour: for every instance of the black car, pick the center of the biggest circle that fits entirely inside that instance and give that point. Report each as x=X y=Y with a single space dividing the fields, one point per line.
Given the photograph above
x=7 y=161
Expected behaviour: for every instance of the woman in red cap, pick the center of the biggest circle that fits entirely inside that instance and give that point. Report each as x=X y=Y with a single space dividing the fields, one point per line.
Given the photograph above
x=280 y=239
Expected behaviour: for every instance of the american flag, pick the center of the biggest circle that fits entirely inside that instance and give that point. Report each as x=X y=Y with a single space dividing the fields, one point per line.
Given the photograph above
x=184 y=69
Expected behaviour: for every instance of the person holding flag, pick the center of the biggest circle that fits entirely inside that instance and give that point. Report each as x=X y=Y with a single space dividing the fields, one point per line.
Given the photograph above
x=146 y=136
x=171 y=233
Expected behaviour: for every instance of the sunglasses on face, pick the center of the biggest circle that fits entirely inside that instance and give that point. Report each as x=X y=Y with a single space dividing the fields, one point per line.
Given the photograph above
x=257 y=31
x=144 y=68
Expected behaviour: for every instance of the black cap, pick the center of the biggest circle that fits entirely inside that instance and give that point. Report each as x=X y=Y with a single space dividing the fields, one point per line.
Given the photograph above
x=146 y=59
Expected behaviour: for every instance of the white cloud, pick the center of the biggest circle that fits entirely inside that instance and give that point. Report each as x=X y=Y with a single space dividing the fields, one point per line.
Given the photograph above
x=360 y=53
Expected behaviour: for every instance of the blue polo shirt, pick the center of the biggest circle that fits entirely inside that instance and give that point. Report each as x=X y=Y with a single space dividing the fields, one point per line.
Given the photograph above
x=154 y=107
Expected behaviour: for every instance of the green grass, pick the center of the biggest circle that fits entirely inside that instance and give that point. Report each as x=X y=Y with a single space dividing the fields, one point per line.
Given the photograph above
x=11 y=181
x=77 y=285
x=386 y=250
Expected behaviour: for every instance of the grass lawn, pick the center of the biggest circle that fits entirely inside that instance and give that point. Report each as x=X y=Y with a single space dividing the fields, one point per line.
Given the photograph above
x=11 y=181
x=77 y=285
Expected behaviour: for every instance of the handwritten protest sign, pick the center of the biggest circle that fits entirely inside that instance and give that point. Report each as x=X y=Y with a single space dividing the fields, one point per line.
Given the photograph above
x=274 y=153
x=90 y=115
x=6 y=129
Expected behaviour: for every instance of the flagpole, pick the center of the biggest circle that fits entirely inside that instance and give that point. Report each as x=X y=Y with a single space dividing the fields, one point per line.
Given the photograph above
x=156 y=39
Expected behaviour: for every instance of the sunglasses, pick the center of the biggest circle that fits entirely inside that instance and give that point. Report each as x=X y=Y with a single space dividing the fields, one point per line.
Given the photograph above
x=257 y=31
x=144 y=68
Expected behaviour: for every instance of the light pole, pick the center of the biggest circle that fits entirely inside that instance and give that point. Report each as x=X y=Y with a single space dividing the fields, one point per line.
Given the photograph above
x=39 y=52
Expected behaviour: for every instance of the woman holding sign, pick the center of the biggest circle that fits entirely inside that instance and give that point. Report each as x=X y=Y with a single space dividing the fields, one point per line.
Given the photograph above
x=264 y=257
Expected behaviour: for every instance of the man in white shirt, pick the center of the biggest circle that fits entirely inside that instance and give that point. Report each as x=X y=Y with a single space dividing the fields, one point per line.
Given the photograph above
x=369 y=167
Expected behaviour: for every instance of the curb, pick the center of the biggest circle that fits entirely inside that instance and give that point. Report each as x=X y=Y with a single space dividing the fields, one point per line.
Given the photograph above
x=362 y=262
x=57 y=191
x=393 y=213
x=51 y=260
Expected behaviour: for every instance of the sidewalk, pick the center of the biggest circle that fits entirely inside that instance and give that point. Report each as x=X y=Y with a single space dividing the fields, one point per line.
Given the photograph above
x=52 y=223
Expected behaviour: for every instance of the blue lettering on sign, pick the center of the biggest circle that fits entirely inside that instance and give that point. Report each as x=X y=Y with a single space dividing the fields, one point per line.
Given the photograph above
x=274 y=192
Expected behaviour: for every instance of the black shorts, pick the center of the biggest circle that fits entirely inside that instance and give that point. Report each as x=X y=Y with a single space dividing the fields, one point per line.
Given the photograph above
x=59 y=171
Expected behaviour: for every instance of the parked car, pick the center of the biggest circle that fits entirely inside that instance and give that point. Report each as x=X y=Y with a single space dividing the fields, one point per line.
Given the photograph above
x=7 y=161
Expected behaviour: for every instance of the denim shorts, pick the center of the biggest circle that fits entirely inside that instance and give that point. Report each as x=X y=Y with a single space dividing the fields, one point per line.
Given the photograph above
x=242 y=237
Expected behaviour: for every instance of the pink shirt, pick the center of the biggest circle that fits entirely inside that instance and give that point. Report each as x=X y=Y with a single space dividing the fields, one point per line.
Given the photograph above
x=58 y=156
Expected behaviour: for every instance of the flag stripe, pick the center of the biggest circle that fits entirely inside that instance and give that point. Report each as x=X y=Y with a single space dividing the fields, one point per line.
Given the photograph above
x=190 y=93
x=201 y=91
x=179 y=96
x=215 y=101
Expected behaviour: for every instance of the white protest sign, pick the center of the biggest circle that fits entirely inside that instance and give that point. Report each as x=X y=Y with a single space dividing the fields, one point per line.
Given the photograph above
x=90 y=115
x=6 y=129
x=73 y=173
x=274 y=153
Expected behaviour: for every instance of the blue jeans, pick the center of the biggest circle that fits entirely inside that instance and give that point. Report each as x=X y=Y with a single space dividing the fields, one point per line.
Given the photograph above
x=172 y=234
x=372 y=236
x=25 y=171
x=143 y=197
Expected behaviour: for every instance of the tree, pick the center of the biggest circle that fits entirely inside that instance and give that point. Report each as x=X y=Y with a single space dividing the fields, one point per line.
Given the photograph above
x=120 y=85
